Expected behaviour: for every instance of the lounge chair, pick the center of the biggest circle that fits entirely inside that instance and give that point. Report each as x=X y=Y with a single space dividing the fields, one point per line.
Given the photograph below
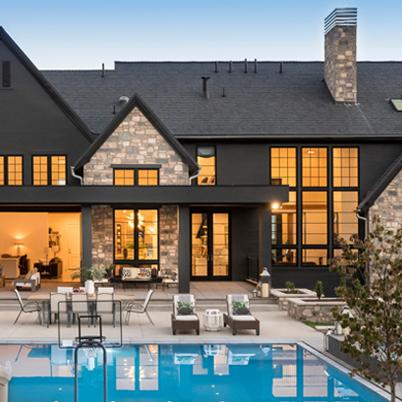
x=139 y=308
x=238 y=316
x=184 y=316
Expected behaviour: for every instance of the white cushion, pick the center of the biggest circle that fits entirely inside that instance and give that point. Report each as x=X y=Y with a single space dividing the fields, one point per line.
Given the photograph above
x=186 y=317
x=23 y=284
x=243 y=318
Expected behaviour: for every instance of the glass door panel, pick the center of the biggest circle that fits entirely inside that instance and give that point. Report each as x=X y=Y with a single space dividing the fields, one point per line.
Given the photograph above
x=199 y=237
x=220 y=244
x=210 y=245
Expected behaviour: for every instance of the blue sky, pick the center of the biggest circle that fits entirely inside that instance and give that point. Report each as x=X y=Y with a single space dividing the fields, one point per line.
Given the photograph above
x=85 y=33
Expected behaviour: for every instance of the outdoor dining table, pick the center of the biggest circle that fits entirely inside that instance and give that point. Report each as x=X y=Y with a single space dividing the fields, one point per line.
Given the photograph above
x=44 y=300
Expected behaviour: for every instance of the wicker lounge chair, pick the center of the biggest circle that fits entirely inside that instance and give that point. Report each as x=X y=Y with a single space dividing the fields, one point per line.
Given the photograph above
x=184 y=320
x=238 y=320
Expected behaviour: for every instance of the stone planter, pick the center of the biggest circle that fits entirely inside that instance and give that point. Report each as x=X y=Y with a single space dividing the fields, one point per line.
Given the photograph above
x=283 y=297
x=313 y=309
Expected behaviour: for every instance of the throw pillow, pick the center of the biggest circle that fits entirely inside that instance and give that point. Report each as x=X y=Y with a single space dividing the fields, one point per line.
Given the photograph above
x=184 y=308
x=240 y=308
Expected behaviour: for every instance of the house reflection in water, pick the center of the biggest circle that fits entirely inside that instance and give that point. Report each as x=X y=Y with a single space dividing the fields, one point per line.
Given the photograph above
x=271 y=372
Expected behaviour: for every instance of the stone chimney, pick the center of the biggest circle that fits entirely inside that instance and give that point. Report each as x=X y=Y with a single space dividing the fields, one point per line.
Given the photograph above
x=340 y=69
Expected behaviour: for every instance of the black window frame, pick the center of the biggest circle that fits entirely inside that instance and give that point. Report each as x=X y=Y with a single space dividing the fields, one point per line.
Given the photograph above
x=195 y=181
x=49 y=170
x=136 y=170
x=5 y=167
x=329 y=189
x=135 y=261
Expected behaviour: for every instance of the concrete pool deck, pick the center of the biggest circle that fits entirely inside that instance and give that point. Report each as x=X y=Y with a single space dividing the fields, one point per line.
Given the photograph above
x=275 y=325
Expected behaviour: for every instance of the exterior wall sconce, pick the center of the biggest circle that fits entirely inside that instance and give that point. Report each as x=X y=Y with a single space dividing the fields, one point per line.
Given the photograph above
x=275 y=206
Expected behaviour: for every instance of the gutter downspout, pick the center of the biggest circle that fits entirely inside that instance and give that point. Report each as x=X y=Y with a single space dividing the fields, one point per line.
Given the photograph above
x=366 y=223
x=195 y=175
x=75 y=175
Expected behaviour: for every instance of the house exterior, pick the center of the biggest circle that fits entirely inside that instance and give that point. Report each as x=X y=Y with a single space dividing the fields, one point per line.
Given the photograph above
x=204 y=170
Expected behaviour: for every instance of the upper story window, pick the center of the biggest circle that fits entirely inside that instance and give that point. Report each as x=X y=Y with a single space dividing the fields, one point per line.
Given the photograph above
x=314 y=167
x=283 y=166
x=6 y=74
x=11 y=170
x=47 y=170
x=206 y=159
x=345 y=167
x=136 y=176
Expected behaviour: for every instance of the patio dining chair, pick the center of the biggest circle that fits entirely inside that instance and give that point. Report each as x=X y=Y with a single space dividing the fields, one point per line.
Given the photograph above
x=57 y=306
x=139 y=308
x=28 y=308
x=105 y=305
x=79 y=305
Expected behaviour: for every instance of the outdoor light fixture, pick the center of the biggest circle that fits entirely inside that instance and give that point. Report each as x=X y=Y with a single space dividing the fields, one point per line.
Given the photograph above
x=275 y=205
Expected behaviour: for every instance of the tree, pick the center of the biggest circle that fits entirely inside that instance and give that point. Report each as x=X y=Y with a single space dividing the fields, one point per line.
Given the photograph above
x=371 y=285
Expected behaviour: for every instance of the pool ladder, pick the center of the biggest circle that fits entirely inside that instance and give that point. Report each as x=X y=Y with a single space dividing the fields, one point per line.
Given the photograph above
x=93 y=344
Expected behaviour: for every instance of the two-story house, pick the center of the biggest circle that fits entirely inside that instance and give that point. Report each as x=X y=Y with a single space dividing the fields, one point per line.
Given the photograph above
x=208 y=170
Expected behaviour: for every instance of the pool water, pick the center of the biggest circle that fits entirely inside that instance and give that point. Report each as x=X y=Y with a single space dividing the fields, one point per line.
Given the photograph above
x=181 y=373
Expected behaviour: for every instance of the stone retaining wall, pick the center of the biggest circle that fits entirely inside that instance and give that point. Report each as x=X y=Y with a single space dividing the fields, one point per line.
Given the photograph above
x=314 y=309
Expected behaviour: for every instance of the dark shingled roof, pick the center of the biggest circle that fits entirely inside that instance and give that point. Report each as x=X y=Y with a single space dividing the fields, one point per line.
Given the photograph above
x=267 y=104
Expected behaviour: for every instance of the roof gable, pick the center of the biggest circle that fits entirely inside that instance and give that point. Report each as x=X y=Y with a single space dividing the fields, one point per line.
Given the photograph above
x=136 y=101
x=381 y=184
x=45 y=84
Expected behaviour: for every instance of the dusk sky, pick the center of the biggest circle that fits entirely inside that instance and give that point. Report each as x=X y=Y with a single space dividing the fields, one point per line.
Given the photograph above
x=84 y=33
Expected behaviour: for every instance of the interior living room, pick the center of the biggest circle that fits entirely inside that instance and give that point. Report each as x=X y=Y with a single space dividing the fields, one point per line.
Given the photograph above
x=46 y=242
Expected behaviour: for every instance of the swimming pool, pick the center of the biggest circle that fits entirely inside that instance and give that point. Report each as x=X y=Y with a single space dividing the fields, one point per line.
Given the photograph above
x=182 y=373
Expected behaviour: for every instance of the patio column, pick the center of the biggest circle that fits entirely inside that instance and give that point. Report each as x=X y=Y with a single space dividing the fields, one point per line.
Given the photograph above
x=86 y=236
x=184 y=249
x=264 y=237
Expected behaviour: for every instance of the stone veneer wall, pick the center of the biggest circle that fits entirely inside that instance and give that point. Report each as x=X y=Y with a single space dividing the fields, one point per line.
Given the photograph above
x=340 y=63
x=169 y=238
x=102 y=236
x=136 y=141
x=388 y=205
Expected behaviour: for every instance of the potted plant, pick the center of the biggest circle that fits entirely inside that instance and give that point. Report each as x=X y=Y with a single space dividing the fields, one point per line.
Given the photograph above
x=90 y=275
x=319 y=289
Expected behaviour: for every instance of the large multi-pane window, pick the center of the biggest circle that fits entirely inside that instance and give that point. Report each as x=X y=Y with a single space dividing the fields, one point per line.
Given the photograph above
x=49 y=169
x=136 y=176
x=136 y=235
x=322 y=202
x=283 y=166
x=345 y=167
x=314 y=167
x=14 y=170
x=284 y=232
x=206 y=159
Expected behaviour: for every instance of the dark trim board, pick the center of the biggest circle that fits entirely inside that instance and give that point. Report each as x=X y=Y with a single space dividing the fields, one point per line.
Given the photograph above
x=208 y=195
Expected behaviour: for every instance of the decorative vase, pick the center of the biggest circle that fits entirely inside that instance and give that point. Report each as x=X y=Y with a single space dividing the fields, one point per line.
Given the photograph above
x=89 y=287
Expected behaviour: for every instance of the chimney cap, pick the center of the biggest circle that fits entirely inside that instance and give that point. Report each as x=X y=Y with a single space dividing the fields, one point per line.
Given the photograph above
x=345 y=17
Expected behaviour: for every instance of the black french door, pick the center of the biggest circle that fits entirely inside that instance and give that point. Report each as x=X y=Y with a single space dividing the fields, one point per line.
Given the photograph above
x=210 y=245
